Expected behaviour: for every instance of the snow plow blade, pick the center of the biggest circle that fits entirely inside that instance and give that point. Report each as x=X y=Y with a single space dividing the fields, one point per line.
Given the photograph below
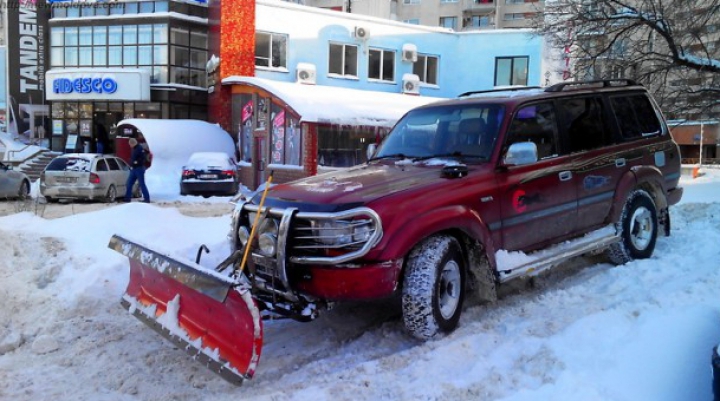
x=212 y=317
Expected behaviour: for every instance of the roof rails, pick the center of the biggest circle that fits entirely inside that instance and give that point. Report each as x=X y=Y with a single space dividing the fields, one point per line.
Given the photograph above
x=605 y=84
x=510 y=88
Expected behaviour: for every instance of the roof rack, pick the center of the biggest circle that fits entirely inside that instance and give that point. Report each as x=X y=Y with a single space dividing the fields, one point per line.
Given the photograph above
x=605 y=84
x=511 y=88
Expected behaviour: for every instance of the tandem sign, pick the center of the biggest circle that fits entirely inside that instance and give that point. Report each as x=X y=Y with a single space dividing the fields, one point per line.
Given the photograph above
x=84 y=85
x=90 y=84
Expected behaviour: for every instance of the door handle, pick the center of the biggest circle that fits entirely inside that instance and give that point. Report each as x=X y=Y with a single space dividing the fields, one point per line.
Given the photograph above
x=565 y=175
x=620 y=162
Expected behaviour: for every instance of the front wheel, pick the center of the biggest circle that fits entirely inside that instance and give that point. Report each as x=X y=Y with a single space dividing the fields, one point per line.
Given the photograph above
x=111 y=194
x=638 y=229
x=24 y=191
x=434 y=287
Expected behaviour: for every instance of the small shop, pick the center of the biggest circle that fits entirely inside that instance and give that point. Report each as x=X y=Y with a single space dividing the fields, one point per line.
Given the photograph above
x=87 y=104
x=698 y=140
x=299 y=130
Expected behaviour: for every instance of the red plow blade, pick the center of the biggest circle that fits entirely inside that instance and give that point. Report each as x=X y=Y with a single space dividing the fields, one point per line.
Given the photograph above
x=209 y=315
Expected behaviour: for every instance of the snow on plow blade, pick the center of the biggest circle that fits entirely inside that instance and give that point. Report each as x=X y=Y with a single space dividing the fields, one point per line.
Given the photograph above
x=209 y=315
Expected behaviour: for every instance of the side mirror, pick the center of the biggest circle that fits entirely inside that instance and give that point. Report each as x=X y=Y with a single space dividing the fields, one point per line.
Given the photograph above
x=521 y=153
x=370 y=150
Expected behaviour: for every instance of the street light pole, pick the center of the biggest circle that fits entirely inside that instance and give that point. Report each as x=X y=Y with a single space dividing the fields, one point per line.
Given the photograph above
x=701 y=142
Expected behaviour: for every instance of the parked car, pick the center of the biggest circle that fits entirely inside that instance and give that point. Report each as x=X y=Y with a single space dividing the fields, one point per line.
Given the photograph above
x=87 y=176
x=209 y=173
x=13 y=183
x=552 y=172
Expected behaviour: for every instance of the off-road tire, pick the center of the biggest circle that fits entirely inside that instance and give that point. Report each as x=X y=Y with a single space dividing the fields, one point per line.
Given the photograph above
x=638 y=229
x=433 y=287
x=111 y=195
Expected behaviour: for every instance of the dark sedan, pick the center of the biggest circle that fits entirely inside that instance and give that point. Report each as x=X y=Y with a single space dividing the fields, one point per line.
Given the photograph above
x=208 y=174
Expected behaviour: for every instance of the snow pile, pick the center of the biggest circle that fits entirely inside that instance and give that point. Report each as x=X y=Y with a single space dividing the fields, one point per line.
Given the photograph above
x=587 y=331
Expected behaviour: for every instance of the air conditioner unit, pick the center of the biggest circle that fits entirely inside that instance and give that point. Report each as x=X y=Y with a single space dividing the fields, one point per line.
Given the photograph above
x=361 y=33
x=411 y=84
x=306 y=73
x=409 y=52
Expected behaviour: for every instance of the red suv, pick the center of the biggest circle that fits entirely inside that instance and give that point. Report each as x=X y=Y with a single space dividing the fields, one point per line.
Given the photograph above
x=467 y=194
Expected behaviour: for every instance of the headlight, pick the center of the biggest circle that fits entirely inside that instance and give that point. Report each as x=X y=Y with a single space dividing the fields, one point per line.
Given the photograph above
x=243 y=235
x=333 y=232
x=362 y=233
x=266 y=244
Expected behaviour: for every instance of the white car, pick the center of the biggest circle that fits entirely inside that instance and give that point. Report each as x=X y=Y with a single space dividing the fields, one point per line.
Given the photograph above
x=209 y=173
x=13 y=183
x=87 y=176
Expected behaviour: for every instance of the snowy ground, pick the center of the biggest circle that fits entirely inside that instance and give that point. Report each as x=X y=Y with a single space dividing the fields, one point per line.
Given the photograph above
x=590 y=331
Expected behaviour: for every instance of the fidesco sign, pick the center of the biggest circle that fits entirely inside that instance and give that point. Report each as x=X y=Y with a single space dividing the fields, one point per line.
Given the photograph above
x=129 y=84
x=84 y=85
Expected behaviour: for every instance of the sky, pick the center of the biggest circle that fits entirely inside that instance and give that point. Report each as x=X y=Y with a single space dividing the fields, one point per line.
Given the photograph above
x=588 y=331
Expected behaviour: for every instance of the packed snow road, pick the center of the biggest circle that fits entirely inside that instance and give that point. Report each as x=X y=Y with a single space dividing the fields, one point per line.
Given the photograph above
x=589 y=331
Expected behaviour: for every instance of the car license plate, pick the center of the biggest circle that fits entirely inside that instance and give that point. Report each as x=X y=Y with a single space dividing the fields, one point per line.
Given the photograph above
x=66 y=179
x=208 y=176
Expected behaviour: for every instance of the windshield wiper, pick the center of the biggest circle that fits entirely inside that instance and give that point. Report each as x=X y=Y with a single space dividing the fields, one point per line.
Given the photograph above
x=392 y=156
x=454 y=154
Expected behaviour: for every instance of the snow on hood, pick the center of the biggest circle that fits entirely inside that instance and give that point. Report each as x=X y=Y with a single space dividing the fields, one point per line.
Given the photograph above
x=171 y=143
x=334 y=105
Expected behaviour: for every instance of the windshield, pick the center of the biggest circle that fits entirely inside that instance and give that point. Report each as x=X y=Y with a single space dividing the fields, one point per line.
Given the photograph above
x=467 y=132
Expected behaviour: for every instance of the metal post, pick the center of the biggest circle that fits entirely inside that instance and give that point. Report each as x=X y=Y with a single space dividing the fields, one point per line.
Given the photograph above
x=701 y=141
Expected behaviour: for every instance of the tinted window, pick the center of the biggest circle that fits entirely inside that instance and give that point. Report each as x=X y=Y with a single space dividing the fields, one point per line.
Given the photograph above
x=101 y=166
x=583 y=124
x=535 y=123
x=112 y=162
x=123 y=165
x=635 y=116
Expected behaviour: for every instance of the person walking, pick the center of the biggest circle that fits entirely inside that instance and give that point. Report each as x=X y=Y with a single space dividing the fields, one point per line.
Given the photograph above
x=137 y=171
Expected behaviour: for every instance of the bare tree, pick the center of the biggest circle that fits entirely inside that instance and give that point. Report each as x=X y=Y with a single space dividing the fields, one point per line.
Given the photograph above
x=671 y=46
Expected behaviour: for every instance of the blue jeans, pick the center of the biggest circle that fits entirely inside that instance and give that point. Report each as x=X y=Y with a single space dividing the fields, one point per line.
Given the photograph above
x=137 y=174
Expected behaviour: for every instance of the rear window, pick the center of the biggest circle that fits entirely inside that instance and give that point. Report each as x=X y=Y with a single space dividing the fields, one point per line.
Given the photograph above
x=636 y=116
x=69 y=164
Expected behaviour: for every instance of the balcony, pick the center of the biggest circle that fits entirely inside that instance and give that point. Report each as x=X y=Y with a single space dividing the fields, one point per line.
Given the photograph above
x=479 y=5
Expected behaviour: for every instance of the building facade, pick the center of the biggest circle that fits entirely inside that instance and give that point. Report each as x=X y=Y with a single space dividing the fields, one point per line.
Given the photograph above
x=111 y=61
x=458 y=15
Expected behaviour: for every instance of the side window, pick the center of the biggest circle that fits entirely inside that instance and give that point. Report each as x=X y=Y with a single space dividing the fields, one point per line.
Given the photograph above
x=635 y=116
x=583 y=124
x=123 y=166
x=112 y=162
x=535 y=123
x=101 y=165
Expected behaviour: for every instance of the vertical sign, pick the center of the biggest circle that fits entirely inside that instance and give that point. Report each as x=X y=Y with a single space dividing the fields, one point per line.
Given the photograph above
x=27 y=51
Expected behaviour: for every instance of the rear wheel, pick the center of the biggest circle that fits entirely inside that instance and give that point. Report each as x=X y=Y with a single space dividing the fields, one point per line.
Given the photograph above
x=24 y=191
x=111 y=194
x=434 y=287
x=51 y=200
x=638 y=229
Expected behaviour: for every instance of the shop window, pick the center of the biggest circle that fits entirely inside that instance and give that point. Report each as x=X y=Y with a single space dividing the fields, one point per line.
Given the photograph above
x=381 y=65
x=242 y=120
x=179 y=75
x=160 y=55
x=293 y=137
x=277 y=135
x=114 y=55
x=58 y=110
x=145 y=55
x=57 y=36
x=179 y=36
x=71 y=36
x=57 y=57
x=130 y=34
x=511 y=71
x=85 y=56
x=343 y=59
x=199 y=40
x=129 y=55
x=426 y=68
x=270 y=50
x=71 y=56
x=100 y=55
x=115 y=35
x=85 y=36
x=128 y=110
x=343 y=147
x=145 y=35
x=71 y=110
x=159 y=75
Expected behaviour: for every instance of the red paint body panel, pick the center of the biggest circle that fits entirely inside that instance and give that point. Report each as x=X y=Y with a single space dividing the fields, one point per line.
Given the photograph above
x=364 y=282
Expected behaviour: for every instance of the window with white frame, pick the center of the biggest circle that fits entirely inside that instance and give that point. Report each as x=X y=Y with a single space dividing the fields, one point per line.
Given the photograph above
x=413 y=21
x=448 y=22
x=426 y=68
x=381 y=65
x=343 y=59
x=511 y=70
x=411 y=1
x=270 y=50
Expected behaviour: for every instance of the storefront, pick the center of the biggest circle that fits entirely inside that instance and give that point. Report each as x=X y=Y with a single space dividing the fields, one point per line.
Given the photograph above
x=301 y=130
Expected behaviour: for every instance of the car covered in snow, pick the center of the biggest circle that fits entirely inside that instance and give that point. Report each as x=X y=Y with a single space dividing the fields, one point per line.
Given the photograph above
x=14 y=184
x=465 y=195
x=86 y=176
x=208 y=174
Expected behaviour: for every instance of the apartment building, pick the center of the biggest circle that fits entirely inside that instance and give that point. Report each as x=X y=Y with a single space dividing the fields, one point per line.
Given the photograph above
x=458 y=15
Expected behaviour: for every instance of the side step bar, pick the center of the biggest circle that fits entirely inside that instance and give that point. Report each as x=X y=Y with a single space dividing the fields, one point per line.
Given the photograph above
x=557 y=254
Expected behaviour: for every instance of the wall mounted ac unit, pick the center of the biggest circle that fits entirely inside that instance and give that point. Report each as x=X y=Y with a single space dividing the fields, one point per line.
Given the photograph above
x=411 y=84
x=361 y=32
x=409 y=53
x=306 y=73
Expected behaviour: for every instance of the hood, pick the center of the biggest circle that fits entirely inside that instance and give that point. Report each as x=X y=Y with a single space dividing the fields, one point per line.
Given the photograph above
x=360 y=185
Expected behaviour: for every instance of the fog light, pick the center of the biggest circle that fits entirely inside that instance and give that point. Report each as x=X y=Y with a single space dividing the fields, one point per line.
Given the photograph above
x=266 y=244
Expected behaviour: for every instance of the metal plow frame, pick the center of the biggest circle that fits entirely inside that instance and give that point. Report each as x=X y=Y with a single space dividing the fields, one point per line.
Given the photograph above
x=212 y=317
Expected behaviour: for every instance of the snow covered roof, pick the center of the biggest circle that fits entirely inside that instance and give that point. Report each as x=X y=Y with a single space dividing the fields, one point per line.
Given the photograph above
x=334 y=105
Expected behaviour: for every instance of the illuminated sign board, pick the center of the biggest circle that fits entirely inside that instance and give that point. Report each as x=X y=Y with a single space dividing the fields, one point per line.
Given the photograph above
x=98 y=84
x=84 y=85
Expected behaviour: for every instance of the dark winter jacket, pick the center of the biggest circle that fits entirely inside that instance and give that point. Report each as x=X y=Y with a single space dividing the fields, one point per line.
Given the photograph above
x=137 y=160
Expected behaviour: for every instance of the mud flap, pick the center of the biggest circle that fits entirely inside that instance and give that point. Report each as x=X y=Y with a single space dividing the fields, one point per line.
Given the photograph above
x=211 y=316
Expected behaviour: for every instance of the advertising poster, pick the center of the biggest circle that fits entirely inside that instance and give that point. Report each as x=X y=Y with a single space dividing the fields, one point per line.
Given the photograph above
x=278 y=137
x=27 y=53
x=57 y=128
